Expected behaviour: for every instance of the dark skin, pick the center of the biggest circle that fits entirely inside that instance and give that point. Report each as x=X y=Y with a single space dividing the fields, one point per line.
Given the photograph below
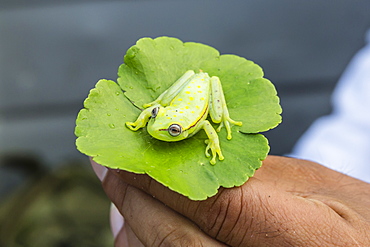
x=288 y=202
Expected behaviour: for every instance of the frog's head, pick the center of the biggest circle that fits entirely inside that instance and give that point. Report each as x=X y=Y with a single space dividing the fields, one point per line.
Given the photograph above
x=172 y=132
x=162 y=129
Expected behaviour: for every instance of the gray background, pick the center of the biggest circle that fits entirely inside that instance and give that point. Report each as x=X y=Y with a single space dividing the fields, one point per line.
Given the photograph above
x=53 y=52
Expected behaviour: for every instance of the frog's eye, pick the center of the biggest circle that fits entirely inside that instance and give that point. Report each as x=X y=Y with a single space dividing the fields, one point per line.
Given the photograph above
x=155 y=112
x=174 y=130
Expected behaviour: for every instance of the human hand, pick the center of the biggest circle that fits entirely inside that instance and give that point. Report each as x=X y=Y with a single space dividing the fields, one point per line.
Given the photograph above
x=288 y=202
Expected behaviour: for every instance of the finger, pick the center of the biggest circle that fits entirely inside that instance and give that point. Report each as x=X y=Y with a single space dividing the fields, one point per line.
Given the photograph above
x=122 y=233
x=151 y=221
x=343 y=194
x=127 y=238
x=309 y=179
x=116 y=221
x=258 y=212
x=296 y=175
x=133 y=240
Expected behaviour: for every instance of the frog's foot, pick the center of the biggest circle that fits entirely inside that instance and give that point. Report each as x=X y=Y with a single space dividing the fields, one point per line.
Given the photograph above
x=132 y=126
x=215 y=150
x=226 y=122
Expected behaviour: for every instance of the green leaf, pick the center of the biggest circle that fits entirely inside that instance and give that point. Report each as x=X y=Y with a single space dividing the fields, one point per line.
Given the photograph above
x=150 y=67
x=250 y=98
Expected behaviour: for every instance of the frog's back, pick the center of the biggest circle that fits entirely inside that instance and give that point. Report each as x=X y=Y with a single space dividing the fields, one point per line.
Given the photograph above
x=191 y=104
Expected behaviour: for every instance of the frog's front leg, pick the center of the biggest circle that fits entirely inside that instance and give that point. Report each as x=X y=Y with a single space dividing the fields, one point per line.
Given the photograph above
x=142 y=120
x=218 y=108
x=167 y=96
x=212 y=142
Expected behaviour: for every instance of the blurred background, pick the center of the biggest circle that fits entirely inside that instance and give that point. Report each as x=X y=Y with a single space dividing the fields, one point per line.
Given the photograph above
x=53 y=52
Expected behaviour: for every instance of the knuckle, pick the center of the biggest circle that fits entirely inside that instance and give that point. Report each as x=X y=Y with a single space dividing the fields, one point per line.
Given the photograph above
x=225 y=217
x=238 y=212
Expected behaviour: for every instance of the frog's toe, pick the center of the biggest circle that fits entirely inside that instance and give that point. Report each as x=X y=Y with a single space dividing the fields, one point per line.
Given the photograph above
x=207 y=149
x=220 y=127
x=131 y=126
x=238 y=123
x=234 y=122
x=215 y=150
x=229 y=136
x=220 y=156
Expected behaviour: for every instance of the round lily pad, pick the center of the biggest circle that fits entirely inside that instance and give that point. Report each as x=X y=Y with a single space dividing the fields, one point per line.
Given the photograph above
x=150 y=67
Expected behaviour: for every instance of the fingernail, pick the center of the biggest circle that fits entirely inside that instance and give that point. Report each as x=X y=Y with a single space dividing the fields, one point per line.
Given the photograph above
x=116 y=220
x=100 y=171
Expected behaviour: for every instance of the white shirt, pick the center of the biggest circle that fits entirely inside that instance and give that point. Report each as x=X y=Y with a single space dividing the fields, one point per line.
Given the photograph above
x=341 y=141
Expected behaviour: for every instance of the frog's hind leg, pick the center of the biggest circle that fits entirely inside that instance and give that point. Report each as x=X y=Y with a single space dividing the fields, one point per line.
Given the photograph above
x=218 y=108
x=213 y=143
x=167 y=96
